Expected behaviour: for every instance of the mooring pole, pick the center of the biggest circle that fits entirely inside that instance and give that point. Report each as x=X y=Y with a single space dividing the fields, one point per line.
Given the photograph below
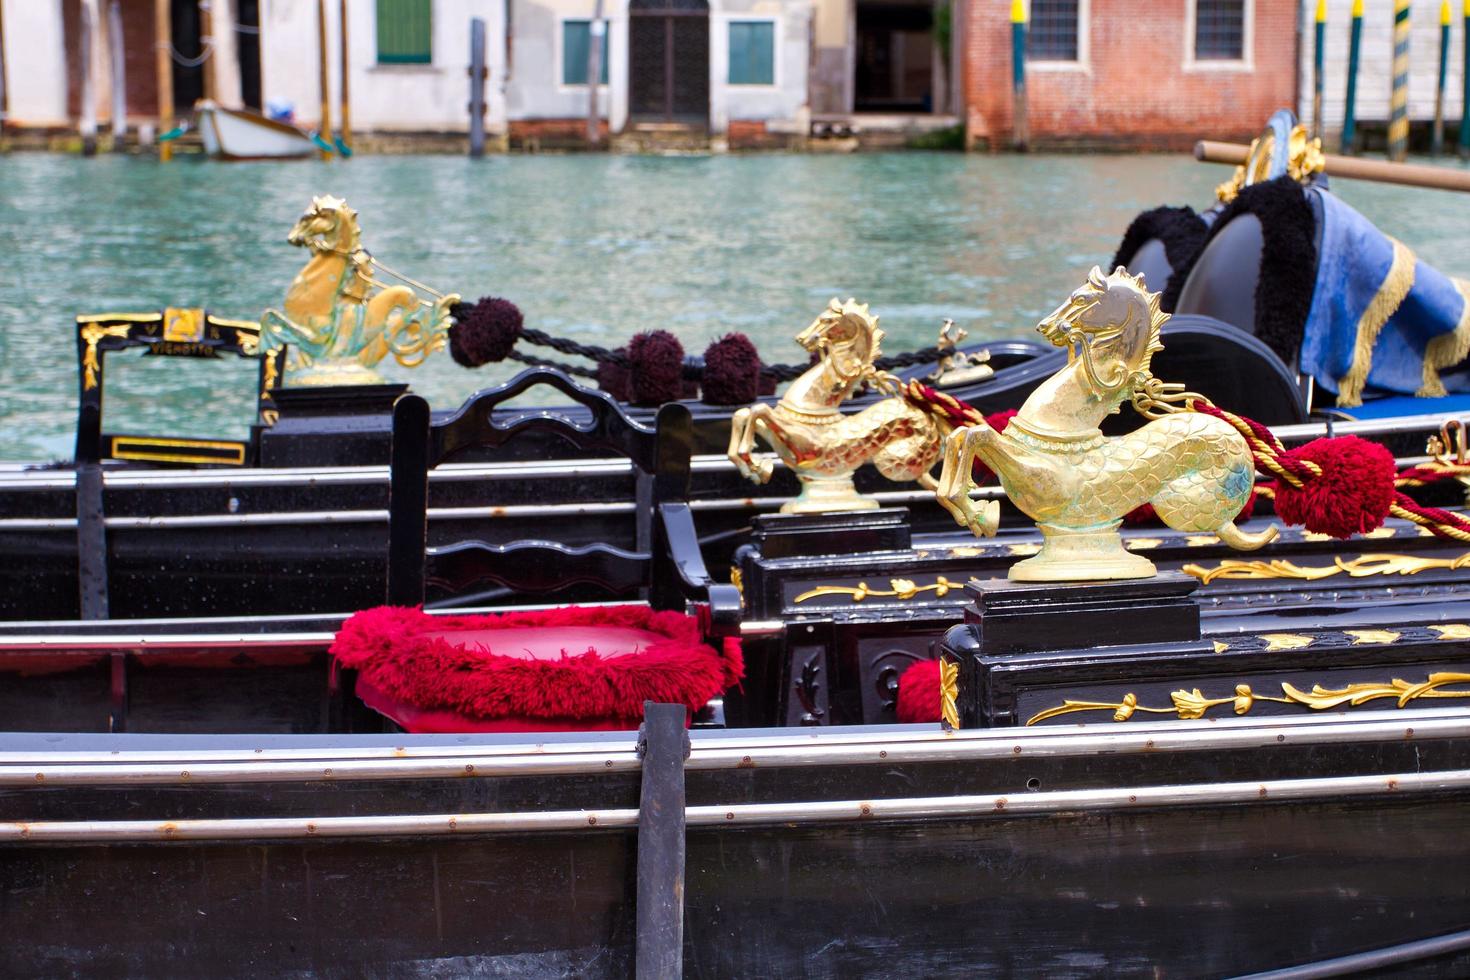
x=163 y=73
x=344 y=97
x=1350 y=107
x=477 y=87
x=4 y=92
x=206 y=43
x=1020 y=130
x=1436 y=144
x=663 y=745
x=1319 y=44
x=119 y=75
x=1465 y=79
x=87 y=116
x=1398 y=118
x=595 y=31
x=324 y=130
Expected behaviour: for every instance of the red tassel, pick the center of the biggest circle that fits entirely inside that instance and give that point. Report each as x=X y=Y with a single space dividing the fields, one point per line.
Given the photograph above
x=732 y=371
x=1353 y=493
x=655 y=368
x=918 y=693
x=484 y=332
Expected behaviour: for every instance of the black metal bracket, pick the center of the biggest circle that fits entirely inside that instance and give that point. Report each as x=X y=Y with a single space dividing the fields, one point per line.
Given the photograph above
x=663 y=745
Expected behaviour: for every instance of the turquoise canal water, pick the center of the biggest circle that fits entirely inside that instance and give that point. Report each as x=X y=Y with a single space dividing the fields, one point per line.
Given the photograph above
x=592 y=247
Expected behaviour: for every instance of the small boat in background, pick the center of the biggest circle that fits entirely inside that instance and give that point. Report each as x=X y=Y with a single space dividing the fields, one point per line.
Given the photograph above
x=239 y=134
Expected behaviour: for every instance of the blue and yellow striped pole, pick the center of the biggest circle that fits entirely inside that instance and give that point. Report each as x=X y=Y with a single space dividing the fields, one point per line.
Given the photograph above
x=1350 y=107
x=1465 y=77
x=1020 y=131
x=1398 y=113
x=1319 y=43
x=1436 y=146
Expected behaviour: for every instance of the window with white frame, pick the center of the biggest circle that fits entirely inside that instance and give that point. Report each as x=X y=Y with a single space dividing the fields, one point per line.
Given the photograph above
x=752 y=52
x=1219 y=30
x=1053 y=31
x=576 y=45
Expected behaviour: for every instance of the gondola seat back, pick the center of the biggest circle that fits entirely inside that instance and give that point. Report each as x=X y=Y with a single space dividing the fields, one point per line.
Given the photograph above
x=565 y=667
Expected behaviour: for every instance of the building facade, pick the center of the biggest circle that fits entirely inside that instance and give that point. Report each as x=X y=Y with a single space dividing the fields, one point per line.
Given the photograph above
x=1375 y=68
x=1158 y=73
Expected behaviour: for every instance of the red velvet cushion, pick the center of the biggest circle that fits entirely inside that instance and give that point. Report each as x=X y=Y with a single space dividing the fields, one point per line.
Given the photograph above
x=572 y=668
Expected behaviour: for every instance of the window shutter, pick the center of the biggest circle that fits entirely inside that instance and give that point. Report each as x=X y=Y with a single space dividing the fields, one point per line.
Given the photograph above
x=404 y=32
x=752 y=53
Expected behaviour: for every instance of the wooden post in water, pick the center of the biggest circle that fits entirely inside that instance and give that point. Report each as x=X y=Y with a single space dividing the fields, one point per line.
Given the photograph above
x=163 y=73
x=477 y=87
x=1020 y=127
x=87 y=116
x=1465 y=80
x=119 y=75
x=324 y=80
x=344 y=98
x=206 y=43
x=4 y=92
x=1319 y=45
x=1436 y=146
x=595 y=31
x=1398 y=116
x=1350 y=107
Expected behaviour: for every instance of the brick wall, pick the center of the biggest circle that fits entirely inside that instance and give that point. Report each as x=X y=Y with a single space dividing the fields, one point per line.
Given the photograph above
x=1132 y=85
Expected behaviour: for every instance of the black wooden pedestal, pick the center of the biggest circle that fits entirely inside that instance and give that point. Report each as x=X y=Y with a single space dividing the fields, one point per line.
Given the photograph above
x=345 y=425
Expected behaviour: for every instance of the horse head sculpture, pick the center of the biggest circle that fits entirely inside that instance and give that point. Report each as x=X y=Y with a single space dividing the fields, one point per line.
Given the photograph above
x=338 y=318
x=1057 y=467
x=816 y=440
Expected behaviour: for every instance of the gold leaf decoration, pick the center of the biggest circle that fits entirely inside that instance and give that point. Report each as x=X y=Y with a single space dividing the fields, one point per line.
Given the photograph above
x=1363 y=637
x=898 y=588
x=1451 y=631
x=1194 y=704
x=1286 y=641
x=949 y=692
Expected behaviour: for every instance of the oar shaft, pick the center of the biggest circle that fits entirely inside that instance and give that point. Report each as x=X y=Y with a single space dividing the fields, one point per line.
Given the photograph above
x=1411 y=174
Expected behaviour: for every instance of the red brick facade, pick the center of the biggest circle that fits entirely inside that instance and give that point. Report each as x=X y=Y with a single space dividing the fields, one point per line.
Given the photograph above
x=1132 y=87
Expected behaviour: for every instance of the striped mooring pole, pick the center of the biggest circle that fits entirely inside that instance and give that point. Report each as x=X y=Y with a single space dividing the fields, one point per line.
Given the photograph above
x=1020 y=129
x=1350 y=106
x=1436 y=145
x=1319 y=44
x=1398 y=115
x=1465 y=78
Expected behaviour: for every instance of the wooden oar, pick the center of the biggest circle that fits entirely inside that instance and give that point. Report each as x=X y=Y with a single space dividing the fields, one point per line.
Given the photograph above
x=1412 y=174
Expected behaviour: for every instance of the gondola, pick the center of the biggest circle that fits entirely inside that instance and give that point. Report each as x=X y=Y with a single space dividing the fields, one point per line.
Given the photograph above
x=222 y=789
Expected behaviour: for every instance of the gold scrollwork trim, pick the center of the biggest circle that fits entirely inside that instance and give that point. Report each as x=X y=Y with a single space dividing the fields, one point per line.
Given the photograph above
x=899 y=588
x=92 y=334
x=150 y=449
x=120 y=318
x=1361 y=567
x=949 y=692
x=1193 y=704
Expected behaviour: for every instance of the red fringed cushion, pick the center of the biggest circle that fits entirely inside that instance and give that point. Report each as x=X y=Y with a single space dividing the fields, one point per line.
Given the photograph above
x=918 y=693
x=569 y=668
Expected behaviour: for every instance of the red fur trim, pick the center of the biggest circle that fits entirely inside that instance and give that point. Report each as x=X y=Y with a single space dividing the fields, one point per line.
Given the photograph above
x=393 y=649
x=918 y=693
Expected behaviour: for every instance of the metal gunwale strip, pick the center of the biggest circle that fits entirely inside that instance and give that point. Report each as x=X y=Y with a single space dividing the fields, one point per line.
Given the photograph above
x=707 y=463
x=877 y=748
x=739 y=814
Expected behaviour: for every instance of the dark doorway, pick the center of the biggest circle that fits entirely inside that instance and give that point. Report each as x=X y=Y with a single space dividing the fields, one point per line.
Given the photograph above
x=247 y=44
x=895 y=57
x=188 y=49
x=668 y=61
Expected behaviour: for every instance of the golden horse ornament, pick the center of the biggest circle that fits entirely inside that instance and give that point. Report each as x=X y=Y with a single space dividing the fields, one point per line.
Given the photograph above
x=820 y=444
x=1057 y=467
x=337 y=318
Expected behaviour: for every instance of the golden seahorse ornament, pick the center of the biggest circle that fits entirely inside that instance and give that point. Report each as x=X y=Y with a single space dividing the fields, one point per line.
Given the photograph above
x=1059 y=469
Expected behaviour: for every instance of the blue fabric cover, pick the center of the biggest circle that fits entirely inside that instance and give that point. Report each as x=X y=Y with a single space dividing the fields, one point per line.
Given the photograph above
x=1354 y=262
x=1399 y=406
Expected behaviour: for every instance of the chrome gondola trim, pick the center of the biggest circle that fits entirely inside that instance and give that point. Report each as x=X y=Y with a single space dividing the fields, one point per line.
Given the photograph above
x=782 y=749
x=741 y=814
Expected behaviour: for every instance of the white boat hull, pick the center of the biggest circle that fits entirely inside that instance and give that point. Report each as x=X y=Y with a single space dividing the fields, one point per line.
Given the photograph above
x=232 y=134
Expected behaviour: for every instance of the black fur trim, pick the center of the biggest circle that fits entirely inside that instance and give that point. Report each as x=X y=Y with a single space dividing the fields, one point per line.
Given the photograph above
x=1288 y=275
x=1181 y=231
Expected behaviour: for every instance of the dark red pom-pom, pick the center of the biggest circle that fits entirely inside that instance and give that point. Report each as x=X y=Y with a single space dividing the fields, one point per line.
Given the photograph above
x=655 y=368
x=980 y=473
x=1353 y=493
x=613 y=378
x=768 y=383
x=484 y=332
x=732 y=371
x=918 y=693
x=1143 y=515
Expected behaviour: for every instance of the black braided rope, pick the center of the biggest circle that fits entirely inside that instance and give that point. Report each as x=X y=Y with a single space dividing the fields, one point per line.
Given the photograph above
x=564 y=345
